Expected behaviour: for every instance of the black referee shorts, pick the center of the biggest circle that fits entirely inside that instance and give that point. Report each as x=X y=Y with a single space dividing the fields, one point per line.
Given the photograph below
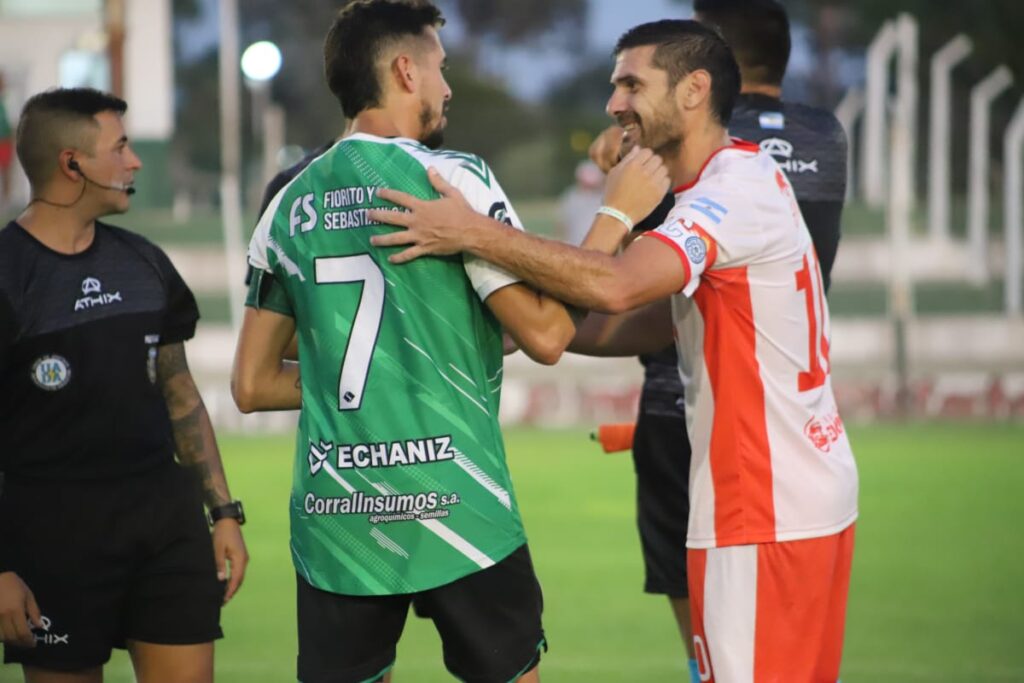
x=661 y=456
x=489 y=623
x=110 y=561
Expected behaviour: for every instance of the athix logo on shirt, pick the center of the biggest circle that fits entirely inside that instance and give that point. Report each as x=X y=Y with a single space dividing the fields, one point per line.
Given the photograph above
x=93 y=295
x=44 y=636
x=782 y=150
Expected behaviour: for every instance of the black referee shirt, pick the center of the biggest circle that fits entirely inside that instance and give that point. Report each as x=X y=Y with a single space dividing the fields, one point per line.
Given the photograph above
x=78 y=344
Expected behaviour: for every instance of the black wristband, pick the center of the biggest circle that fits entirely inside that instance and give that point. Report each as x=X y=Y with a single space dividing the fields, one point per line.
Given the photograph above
x=232 y=510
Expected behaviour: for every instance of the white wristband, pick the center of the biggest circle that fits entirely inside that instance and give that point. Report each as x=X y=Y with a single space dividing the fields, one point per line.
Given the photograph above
x=617 y=215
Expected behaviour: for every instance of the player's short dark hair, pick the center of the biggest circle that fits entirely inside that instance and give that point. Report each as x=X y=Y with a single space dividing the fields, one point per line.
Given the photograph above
x=360 y=35
x=758 y=33
x=58 y=119
x=683 y=46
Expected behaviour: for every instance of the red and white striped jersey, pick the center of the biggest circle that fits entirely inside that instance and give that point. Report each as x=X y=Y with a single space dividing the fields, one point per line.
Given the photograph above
x=771 y=461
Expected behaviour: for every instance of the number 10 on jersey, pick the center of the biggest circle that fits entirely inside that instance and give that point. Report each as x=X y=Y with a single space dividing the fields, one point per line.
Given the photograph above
x=362 y=339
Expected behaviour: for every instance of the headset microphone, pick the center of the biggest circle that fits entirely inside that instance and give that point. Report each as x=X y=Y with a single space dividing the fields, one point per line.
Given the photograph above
x=73 y=165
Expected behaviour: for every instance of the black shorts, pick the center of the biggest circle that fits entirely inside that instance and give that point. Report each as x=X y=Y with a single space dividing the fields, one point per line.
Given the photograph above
x=110 y=561
x=661 y=456
x=489 y=623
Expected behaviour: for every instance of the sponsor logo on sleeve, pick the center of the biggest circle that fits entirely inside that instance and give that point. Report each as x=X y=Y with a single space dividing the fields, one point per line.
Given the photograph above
x=51 y=372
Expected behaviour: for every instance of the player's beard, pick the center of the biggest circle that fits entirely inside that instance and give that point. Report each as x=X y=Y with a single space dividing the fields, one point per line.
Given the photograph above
x=432 y=126
x=659 y=131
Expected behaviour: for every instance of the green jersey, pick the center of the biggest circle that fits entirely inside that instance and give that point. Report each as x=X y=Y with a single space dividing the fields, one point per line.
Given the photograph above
x=400 y=482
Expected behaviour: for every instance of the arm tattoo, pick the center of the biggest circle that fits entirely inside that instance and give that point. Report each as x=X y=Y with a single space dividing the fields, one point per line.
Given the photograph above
x=190 y=424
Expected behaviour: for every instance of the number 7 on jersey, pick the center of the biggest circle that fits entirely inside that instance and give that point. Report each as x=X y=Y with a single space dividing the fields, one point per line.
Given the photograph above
x=362 y=339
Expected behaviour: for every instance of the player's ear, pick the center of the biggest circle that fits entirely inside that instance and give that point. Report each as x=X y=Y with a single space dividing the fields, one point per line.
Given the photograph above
x=403 y=68
x=694 y=89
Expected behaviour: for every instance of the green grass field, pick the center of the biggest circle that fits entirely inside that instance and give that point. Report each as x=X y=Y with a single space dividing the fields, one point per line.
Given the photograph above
x=938 y=584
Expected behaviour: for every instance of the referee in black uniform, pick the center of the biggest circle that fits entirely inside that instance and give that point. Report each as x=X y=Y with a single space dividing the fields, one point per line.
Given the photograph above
x=103 y=540
x=810 y=146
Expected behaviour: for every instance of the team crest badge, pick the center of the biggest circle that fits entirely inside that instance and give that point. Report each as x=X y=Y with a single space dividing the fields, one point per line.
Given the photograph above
x=696 y=249
x=51 y=373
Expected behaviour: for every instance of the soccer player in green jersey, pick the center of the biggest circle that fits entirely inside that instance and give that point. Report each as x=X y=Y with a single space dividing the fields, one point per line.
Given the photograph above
x=400 y=487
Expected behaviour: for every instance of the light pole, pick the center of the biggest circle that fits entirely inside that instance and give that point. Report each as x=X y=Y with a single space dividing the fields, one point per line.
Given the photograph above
x=261 y=61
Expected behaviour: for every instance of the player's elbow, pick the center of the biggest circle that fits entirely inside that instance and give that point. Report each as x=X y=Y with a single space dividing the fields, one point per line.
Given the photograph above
x=243 y=391
x=614 y=302
x=547 y=346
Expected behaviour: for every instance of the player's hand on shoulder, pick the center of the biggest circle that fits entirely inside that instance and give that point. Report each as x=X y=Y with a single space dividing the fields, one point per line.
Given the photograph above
x=432 y=227
x=231 y=555
x=606 y=148
x=19 y=613
x=637 y=184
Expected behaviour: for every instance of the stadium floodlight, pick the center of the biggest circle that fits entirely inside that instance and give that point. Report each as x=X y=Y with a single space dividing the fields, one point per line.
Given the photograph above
x=939 y=142
x=982 y=97
x=1013 y=212
x=261 y=61
x=873 y=139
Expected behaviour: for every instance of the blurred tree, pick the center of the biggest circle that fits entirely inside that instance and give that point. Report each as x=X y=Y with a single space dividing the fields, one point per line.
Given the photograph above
x=522 y=21
x=480 y=107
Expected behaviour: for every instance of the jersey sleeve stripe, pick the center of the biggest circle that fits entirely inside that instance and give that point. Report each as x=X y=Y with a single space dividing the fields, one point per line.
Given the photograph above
x=682 y=254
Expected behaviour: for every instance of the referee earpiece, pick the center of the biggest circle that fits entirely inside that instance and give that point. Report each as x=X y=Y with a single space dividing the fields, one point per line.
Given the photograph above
x=73 y=165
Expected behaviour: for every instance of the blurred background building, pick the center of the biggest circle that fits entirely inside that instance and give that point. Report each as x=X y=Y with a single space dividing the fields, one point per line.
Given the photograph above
x=123 y=46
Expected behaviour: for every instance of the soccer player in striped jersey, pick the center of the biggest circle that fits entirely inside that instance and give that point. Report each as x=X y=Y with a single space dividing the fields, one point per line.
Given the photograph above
x=733 y=276
x=810 y=146
x=400 y=486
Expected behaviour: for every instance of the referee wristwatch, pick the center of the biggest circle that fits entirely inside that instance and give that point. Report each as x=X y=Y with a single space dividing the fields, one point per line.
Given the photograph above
x=232 y=510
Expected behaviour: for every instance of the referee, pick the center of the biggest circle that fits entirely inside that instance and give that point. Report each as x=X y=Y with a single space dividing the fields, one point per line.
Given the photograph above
x=103 y=540
x=810 y=146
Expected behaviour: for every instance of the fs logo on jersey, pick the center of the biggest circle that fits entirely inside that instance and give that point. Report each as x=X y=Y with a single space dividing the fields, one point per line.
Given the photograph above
x=93 y=295
x=696 y=249
x=305 y=221
x=782 y=150
x=51 y=373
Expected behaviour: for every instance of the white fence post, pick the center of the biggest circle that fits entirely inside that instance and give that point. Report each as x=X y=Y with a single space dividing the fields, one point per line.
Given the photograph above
x=873 y=136
x=901 y=202
x=1013 y=212
x=940 y=115
x=847 y=112
x=978 y=180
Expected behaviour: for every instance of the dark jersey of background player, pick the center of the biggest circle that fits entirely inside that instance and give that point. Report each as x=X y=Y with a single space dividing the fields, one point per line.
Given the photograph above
x=78 y=345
